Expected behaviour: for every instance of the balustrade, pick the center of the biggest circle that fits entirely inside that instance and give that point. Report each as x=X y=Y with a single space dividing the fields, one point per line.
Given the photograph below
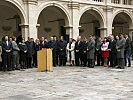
x=125 y=2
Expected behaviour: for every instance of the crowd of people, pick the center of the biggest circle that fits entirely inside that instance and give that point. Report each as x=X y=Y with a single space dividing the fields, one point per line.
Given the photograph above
x=112 y=51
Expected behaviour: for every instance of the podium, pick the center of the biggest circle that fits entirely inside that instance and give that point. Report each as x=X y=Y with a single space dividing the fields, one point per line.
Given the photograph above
x=44 y=60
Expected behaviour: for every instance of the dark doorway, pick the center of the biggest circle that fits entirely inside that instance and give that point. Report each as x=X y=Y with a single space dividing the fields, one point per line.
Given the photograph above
x=63 y=33
x=97 y=32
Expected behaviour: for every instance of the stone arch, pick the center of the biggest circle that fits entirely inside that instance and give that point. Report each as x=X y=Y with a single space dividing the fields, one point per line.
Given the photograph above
x=97 y=12
x=54 y=4
x=19 y=10
x=92 y=21
x=13 y=19
x=127 y=14
x=122 y=22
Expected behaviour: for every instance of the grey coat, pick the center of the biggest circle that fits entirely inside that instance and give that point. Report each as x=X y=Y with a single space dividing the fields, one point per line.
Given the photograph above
x=91 y=49
x=15 y=48
x=120 y=46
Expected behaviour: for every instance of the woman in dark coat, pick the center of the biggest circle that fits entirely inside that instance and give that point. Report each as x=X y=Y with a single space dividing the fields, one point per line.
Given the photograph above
x=23 y=50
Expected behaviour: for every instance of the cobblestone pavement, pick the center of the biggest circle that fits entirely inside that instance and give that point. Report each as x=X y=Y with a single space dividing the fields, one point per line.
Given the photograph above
x=68 y=83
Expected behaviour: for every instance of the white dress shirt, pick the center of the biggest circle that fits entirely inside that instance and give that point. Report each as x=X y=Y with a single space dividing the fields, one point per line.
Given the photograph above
x=104 y=46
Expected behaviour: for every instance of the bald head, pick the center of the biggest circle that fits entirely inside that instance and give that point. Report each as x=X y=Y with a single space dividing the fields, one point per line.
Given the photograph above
x=6 y=38
x=51 y=38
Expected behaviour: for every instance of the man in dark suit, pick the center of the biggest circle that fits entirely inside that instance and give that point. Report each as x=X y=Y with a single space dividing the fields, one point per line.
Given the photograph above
x=57 y=50
x=30 y=49
x=52 y=45
x=6 y=54
x=43 y=43
x=113 y=51
x=0 y=57
x=78 y=52
x=37 y=48
x=84 y=51
x=33 y=53
x=127 y=52
x=62 y=51
x=98 y=51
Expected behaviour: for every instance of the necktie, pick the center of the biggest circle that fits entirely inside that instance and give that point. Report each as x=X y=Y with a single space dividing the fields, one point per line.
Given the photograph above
x=78 y=42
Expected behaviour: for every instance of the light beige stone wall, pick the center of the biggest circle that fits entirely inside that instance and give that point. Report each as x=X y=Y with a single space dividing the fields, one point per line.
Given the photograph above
x=29 y=11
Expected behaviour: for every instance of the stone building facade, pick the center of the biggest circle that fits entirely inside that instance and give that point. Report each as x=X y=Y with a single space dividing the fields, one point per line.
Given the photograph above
x=70 y=18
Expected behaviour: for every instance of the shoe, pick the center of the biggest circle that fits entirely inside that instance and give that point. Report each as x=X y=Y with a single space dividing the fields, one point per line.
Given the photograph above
x=118 y=67
x=112 y=66
x=17 y=68
x=4 y=70
x=24 y=68
x=9 y=70
x=98 y=65
x=129 y=65
x=122 y=67
x=91 y=67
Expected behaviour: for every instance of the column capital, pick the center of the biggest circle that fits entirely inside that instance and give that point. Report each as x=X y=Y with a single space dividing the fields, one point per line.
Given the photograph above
x=73 y=5
x=37 y=25
x=24 y=25
x=30 y=1
x=70 y=26
x=130 y=29
x=108 y=9
x=103 y=28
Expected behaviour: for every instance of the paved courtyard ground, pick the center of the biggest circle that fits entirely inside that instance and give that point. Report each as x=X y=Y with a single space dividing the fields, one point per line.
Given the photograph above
x=68 y=83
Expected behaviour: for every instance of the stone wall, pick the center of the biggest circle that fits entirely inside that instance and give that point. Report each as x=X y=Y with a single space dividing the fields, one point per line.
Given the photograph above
x=33 y=24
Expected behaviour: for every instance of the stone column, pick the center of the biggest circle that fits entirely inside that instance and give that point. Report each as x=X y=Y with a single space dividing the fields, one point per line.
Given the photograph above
x=37 y=26
x=131 y=2
x=31 y=11
x=121 y=1
x=103 y=32
x=25 y=30
x=131 y=33
x=108 y=1
x=108 y=16
x=74 y=11
x=69 y=31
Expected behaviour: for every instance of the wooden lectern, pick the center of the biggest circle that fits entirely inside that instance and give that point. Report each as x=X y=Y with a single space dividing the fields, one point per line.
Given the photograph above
x=44 y=59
